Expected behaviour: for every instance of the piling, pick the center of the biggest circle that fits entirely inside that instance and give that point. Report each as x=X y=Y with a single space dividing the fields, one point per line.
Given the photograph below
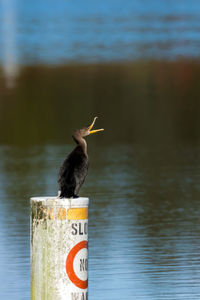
x=59 y=248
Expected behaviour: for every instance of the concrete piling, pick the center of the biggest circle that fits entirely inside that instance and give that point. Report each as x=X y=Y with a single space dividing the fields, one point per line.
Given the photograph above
x=59 y=248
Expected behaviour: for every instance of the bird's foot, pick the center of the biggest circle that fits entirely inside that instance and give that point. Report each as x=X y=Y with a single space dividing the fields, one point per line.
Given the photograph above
x=75 y=196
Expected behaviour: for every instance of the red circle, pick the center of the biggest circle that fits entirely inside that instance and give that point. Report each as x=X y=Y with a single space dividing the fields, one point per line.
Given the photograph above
x=82 y=284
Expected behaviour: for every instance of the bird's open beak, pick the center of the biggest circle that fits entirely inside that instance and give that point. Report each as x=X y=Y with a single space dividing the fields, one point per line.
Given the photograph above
x=91 y=126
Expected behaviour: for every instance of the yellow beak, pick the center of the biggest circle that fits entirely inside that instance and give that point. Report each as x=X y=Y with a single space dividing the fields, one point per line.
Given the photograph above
x=93 y=131
x=91 y=126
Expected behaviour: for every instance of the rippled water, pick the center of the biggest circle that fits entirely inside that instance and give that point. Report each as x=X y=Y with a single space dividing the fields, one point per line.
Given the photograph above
x=144 y=218
x=144 y=200
x=53 y=32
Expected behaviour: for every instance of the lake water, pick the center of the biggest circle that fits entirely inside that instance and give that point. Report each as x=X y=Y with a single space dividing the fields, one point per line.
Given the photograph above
x=143 y=223
x=135 y=64
x=45 y=31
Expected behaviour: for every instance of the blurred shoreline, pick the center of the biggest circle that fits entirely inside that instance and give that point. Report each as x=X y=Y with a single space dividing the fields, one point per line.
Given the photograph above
x=151 y=101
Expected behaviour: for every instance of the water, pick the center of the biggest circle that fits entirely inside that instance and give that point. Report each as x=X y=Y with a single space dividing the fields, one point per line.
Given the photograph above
x=149 y=102
x=135 y=64
x=44 y=31
x=144 y=218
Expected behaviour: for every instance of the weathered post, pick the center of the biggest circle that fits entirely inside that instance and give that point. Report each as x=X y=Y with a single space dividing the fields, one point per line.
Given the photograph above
x=59 y=248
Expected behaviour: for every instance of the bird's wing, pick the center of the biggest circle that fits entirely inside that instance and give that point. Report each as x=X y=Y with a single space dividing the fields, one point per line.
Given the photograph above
x=66 y=178
x=81 y=173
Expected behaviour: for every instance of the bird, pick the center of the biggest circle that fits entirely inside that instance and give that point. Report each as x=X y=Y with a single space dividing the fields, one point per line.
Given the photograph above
x=74 y=169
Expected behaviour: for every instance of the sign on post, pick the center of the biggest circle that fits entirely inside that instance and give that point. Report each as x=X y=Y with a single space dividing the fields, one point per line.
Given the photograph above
x=59 y=248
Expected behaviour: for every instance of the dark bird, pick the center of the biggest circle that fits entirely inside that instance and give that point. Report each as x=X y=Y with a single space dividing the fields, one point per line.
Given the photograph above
x=75 y=167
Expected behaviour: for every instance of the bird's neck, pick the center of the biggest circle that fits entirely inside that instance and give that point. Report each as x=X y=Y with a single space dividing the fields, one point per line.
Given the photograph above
x=80 y=142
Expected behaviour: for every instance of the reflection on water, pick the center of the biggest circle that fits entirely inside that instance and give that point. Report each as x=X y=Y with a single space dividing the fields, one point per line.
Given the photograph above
x=144 y=218
x=144 y=209
x=141 y=101
x=53 y=32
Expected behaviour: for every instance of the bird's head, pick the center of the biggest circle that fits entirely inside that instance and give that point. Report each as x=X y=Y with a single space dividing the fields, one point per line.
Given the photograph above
x=88 y=130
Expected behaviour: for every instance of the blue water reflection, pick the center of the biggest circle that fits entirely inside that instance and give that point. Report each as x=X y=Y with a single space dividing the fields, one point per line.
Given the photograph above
x=144 y=219
x=57 y=32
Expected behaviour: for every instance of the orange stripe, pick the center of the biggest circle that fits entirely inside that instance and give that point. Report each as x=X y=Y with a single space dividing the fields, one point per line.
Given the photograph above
x=70 y=214
x=77 y=213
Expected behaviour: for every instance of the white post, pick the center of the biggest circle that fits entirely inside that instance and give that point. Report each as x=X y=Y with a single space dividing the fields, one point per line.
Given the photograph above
x=59 y=248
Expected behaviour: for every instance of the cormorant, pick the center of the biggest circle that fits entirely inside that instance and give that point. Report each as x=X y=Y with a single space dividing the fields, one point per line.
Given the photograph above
x=75 y=167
